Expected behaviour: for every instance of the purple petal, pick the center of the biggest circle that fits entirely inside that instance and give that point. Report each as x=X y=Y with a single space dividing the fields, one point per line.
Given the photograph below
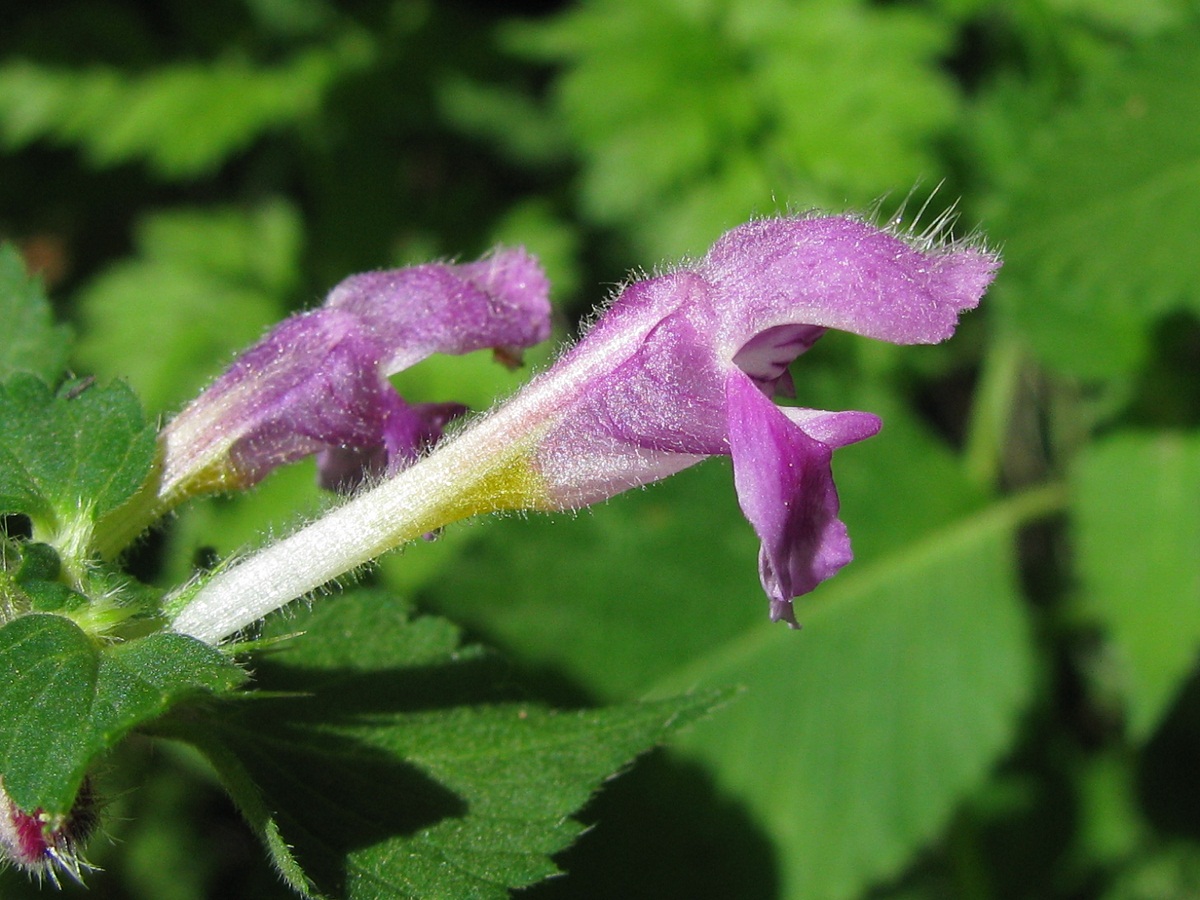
x=767 y=355
x=501 y=301
x=762 y=296
x=684 y=365
x=316 y=383
x=639 y=406
x=312 y=382
x=843 y=273
x=781 y=467
x=343 y=469
x=406 y=431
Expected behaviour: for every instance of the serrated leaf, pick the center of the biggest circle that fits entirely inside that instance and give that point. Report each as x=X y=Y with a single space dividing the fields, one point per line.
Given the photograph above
x=30 y=341
x=667 y=102
x=64 y=700
x=143 y=678
x=67 y=459
x=205 y=284
x=185 y=119
x=395 y=777
x=1098 y=237
x=1138 y=525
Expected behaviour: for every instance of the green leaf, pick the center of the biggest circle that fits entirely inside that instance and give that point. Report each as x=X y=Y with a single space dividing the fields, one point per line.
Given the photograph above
x=1098 y=236
x=48 y=672
x=69 y=458
x=687 y=117
x=1132 y=16
x=31 y=342
x=184 y=120
x=205 y=284
x=143 y=678
x=64 y=700
x=402 y=772
x=856 y=740
x=1138 y=526
x=31 y=580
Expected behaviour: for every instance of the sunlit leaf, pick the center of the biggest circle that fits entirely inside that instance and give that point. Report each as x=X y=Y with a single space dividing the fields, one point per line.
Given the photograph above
x=67 y=459
x=184 y=119
x=856 y=738
x=1138 y=524
x=64 y=700
x=1098 y=237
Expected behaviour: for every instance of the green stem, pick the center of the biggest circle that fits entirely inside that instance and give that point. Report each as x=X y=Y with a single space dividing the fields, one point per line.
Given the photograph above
x=991 y=414
x=121 y=527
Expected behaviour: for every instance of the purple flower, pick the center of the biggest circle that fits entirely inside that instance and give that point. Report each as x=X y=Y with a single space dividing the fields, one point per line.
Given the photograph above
x=678 y=368
x=684 y=366
x=317 y=383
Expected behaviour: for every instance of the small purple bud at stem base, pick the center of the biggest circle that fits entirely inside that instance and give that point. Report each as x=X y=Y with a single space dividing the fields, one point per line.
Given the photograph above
x=43 y=846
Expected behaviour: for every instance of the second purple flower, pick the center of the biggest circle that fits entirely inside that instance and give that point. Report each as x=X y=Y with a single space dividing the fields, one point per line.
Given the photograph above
x=317 y=383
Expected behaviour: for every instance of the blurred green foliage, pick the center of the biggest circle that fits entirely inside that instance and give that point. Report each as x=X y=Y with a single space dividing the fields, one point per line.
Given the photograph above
x=999 y=698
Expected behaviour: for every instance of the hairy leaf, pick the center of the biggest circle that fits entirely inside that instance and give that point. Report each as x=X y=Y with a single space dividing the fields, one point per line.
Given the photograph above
x=30 y=341
x=49 y=669
x=64 y=700
x=69 y=458
x=398 y=770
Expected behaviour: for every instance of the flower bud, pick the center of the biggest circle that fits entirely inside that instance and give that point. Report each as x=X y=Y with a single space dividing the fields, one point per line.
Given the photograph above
x=45 y=846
